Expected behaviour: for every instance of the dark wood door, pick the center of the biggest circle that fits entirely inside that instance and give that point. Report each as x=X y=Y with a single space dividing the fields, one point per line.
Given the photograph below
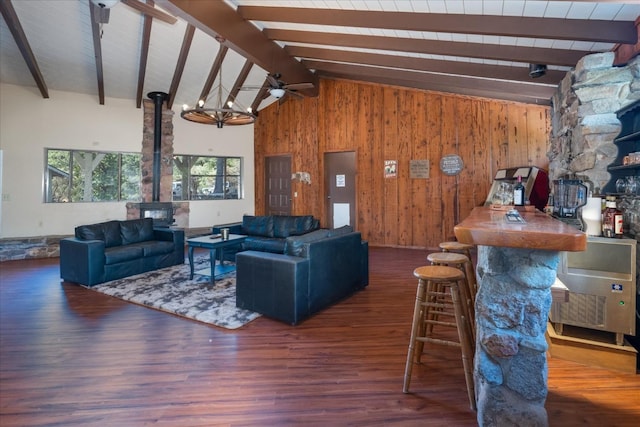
x=340 y=184
x=278 y=185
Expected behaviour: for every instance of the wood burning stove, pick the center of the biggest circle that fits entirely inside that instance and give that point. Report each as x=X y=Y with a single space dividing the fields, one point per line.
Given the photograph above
x=160 y=212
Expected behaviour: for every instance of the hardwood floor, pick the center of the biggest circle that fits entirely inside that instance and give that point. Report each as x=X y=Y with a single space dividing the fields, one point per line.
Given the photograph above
x=70 y=356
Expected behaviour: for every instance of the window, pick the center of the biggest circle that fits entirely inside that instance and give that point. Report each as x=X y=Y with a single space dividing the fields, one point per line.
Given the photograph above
x=206 y=178
x=91 y=176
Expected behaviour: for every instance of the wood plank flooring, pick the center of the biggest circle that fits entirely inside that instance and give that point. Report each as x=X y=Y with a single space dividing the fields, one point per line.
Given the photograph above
x=70 y=356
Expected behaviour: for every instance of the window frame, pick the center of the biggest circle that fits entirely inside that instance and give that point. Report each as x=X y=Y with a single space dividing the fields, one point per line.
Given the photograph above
x=225 y=178
x=47 y=182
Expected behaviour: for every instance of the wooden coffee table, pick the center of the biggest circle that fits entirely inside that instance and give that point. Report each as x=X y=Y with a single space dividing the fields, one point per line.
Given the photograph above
x=213 y=243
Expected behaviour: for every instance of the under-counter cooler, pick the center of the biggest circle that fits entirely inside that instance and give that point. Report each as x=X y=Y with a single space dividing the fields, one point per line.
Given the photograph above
x=602 y=287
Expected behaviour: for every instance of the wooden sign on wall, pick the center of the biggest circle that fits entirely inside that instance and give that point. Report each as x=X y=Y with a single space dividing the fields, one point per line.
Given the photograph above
x=419 y=169
x=451 y=164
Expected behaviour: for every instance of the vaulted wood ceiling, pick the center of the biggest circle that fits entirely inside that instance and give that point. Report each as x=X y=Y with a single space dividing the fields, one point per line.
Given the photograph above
x=480 y=48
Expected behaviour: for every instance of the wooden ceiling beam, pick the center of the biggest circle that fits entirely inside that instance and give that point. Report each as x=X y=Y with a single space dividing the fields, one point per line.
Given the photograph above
x=430 y=65
x=220 y=20
x=534 y=93
x=263 y=93
x=144 y=55
x=242 y=76
x=213 y=73
x=13 y=23
x=148 y=10
x=97 y=50
x=561 y=57
x=182 y=60
x=512 y=26
x=420 y=85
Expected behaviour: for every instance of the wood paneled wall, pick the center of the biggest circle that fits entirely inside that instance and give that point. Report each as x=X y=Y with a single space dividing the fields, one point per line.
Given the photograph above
x=388 y=123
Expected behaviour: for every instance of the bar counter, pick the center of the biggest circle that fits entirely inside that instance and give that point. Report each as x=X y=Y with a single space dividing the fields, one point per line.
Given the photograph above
x=516 y=268
x=485 y=226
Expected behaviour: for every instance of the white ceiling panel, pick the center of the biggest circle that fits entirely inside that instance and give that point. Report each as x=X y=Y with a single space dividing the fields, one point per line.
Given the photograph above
x=59 y=34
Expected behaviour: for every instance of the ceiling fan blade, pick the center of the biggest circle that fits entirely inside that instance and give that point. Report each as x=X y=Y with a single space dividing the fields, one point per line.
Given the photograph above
x=273 y=80
x=250 y=87
x=150 y=10
x=296 y=94
x=298 y=86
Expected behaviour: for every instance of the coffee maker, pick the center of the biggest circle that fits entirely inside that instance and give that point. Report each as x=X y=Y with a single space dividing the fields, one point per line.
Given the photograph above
x=569 y=196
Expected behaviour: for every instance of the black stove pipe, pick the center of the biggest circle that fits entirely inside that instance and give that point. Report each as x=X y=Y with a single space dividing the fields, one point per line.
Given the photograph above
x=158 y=98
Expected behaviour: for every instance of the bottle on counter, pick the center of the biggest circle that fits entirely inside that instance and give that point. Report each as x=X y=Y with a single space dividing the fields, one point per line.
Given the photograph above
x=548 y=209
x=612 y=219
x=518 y=193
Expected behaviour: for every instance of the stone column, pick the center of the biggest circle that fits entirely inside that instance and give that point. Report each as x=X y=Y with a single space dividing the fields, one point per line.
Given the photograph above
x=180 y=209
x=512 y=307
x=166 y=174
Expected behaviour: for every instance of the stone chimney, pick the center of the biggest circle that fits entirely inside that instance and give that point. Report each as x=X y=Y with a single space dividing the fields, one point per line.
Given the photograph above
x=165 y=157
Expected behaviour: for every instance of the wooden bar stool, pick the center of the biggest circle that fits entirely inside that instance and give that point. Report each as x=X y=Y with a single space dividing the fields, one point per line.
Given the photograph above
x=460 y=248
x=453 y=259
x=453 y=246
x=431 y=278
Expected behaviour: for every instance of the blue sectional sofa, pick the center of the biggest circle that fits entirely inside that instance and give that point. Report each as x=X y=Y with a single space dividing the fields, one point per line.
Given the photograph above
x=266 y=233
x=115 y=249
x=315 y=271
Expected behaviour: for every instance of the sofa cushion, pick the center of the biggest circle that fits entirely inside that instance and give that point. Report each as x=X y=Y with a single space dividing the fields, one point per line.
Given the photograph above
x=112 y=235
x=264 y=244
x=156 y=247
x=285 y=226
x=136 y=230
x=295 y=245
x=108 y=232
x=119 y=254
x=257 y=225
x=340 y=231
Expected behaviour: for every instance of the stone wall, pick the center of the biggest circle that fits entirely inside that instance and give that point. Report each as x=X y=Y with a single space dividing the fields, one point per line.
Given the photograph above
x=584 y=125
x=584 y=121
x=13 y=249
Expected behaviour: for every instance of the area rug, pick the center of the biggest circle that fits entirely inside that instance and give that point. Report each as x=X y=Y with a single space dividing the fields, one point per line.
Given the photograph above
x=171 y=290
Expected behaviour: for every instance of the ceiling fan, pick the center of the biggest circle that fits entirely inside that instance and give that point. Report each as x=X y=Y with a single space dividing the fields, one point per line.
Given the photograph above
x=278 y=89
x=101 y=12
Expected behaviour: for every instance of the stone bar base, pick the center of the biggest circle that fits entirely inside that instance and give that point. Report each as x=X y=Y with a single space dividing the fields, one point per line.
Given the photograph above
x=512 y=307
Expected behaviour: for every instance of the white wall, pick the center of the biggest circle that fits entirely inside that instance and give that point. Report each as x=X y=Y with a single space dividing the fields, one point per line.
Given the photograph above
x=29 y=124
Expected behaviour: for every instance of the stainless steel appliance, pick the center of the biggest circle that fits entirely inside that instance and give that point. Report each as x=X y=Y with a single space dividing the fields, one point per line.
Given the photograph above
x=569 y=195
x=602 y=287
x=535 y=181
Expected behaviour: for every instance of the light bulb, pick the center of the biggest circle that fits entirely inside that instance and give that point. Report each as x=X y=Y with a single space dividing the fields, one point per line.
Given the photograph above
x=277 y=93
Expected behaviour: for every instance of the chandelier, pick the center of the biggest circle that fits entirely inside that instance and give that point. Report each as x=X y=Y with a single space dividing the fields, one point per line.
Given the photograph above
x=220 y=113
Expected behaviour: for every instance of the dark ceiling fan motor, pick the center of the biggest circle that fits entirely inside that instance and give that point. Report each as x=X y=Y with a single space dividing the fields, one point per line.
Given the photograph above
x=537 y=70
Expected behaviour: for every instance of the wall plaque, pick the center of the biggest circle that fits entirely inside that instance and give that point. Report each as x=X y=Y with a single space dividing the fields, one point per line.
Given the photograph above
x=419 y=169
x=451 y=164
x=390 y=170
